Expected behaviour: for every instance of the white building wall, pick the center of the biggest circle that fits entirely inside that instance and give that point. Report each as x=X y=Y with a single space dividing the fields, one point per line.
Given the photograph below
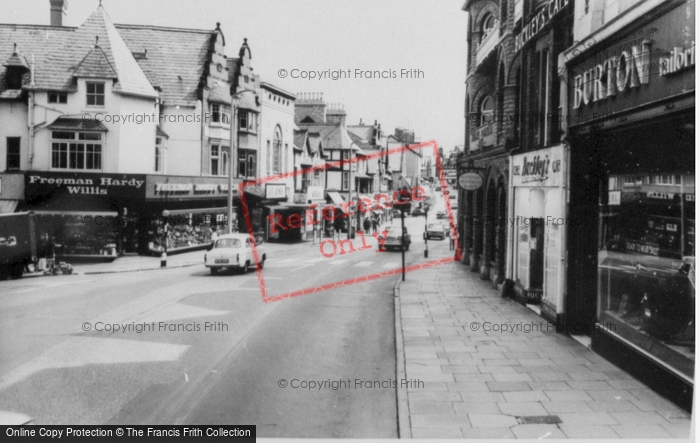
x=183 y=153
x=277 y=110
x=13 y=123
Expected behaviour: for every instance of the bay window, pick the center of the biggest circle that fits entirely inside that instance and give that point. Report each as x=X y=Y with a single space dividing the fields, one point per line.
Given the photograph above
x=76 y=150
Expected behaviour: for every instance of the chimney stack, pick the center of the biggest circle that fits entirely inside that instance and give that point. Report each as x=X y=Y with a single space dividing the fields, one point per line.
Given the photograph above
x=58 y=10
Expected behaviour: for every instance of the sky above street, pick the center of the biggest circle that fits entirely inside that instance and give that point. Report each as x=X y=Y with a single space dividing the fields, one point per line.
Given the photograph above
x=427 y=39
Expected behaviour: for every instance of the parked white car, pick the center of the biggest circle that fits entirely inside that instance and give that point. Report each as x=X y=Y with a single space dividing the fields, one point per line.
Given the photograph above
x=234 y=251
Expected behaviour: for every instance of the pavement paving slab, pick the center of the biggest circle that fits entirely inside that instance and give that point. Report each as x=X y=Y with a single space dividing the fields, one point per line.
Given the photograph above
x=497 y=384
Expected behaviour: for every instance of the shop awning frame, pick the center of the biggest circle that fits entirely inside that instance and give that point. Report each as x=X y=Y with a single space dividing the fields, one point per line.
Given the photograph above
x=78 y=213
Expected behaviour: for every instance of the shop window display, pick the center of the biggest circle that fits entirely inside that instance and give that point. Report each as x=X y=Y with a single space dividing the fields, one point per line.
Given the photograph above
x=186 y=231
x=72 y=237
x=646 y=265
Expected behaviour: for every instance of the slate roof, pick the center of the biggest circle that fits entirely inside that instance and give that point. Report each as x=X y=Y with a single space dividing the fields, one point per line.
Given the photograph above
x=364 y=132
x=300 y=138
x=95 y=65
x=76 y=124
x=334 y=136
x=59 y=52
x=315 y=144
x=175 y=58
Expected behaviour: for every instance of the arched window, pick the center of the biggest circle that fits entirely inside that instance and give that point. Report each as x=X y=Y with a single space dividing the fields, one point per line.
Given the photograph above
x=487 y=25
x=486 y=110
x=277 y=151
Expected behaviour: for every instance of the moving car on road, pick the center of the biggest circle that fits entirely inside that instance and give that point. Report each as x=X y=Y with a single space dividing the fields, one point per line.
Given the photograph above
x=418 y=212
x=234 y=251
x=436 y=230
x=394 y=239
x=441 y=215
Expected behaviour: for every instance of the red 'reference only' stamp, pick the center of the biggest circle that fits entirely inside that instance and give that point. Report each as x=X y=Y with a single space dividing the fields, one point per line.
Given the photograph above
x=329 y=213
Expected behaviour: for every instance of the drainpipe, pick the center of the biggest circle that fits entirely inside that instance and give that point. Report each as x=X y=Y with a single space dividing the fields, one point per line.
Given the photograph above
x=32 y=106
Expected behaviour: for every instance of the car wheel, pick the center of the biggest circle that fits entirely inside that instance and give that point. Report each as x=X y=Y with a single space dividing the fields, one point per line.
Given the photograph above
x=213 y=270
x=247 y=267
x=262 y=263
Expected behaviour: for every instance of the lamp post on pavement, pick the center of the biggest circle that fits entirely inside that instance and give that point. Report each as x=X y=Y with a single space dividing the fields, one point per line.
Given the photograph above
x=425 y=235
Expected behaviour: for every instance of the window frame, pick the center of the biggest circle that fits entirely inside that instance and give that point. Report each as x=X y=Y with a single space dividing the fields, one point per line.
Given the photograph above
x=96 y=95
x=159 y=153
x=84 y=147
x=9 y=154
x=57 y=97
x=482 y=113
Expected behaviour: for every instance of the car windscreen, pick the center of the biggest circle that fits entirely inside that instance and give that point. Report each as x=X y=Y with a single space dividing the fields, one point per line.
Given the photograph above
x=228 y=243
x=434 y=226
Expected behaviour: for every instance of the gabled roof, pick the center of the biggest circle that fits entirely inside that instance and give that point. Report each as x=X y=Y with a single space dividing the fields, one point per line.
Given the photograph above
x=334 y=136
x=364 y=132
x=95 y=65
x=220 y=93
x=315 y=143
x=300 y=139
x=59 y=52
x=131 y=79
x=16 y=60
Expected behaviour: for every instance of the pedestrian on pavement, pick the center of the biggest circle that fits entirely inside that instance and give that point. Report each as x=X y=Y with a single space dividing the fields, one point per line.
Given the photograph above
x=375 y=224
x=338 y=223
x=366 y=224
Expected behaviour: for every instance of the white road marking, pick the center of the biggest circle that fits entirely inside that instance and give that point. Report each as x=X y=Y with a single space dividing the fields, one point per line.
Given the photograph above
x=301 y=267
x=70 y=283
x=364 y=264
x=338 y=262
x=391 y=265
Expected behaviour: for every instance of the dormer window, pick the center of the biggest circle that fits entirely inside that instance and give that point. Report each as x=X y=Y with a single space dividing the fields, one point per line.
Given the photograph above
x=95 y=93
x=58 y=97
x=14 y=78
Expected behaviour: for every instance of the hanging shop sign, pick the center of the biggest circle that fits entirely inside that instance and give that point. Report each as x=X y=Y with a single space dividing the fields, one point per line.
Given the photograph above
x=482 y=137
x=470 y=181
x=539 y=21
x=277 y=191
x=633 y=69
x=539 y=168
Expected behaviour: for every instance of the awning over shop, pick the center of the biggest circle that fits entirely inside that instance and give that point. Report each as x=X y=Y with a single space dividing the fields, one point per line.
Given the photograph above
x=197 y=211
x=79 y=213
x=256 y=191
x=8 y=206
x=336 y=198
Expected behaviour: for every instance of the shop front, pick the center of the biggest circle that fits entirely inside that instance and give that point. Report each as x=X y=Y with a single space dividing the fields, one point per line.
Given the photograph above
x=183 y=213
x=537 y=225
x=631 y=272
x=82 y=214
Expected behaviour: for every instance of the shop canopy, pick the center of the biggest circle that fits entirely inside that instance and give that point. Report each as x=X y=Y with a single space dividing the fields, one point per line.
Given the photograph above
x=197 y=211
x=336 y=198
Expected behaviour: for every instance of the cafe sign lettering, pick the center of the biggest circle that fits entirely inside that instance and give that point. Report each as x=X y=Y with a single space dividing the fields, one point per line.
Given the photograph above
x=543 y=168
x=542 y=18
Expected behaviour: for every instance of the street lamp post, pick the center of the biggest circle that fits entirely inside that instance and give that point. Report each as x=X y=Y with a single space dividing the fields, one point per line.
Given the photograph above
x=425 y=235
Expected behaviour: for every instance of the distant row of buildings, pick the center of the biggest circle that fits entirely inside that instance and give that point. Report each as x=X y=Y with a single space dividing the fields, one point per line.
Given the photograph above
x=123 y=124
x=580 y=119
